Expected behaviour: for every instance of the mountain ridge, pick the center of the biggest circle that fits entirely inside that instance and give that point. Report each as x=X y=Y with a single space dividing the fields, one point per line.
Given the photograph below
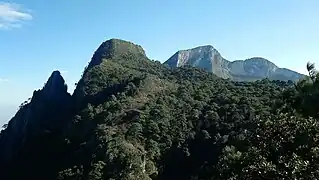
x=207 y=57
x=37 y=121
x=134 y=118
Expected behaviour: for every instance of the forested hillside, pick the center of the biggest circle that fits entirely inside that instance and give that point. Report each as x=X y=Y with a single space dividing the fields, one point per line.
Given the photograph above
x=131 y=118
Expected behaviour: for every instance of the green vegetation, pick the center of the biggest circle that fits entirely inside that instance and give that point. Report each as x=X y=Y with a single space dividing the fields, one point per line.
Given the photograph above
x=133 y=118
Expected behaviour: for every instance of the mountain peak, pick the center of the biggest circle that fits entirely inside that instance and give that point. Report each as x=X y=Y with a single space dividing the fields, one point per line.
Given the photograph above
x=205 y=57
x=54 y=86
x=260 y=60
x=113 y=48
x=192 y=56
x=201 y=49
x=56 y=77
x=208 y=58
x=46 y=110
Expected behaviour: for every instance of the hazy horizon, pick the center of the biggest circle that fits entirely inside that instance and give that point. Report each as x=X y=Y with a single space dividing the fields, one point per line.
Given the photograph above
x=7 y=112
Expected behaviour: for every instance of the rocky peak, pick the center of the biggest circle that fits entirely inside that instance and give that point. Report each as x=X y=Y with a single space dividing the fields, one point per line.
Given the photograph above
x=208 y=58
x=259 y=66
x=55 y=86
x=205 y=57
x=45 y=111
x=205 y=48
x=198 y=56
x=113 y=50
x=115 y=47
x=260 y=61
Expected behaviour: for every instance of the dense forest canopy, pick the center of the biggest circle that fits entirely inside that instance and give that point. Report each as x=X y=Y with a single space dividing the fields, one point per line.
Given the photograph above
x=133 y=118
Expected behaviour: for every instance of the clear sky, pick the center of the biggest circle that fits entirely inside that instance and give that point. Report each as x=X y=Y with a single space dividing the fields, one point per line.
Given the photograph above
x=37 y=37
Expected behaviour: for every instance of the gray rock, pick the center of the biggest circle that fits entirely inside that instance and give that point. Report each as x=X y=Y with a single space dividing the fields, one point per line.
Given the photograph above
x=208 y=58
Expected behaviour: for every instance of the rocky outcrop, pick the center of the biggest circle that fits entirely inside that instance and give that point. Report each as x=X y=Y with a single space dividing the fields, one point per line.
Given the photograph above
x=205 y=57
x=45 y=114
x=111 y=49
x=55 y=89
x=114 y=47
x=208 y=58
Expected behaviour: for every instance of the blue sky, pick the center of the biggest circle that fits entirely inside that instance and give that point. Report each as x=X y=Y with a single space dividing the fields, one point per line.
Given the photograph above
x=37 y=37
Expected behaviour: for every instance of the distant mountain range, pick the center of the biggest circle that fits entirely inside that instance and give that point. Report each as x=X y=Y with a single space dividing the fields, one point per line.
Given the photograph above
x=208 y=58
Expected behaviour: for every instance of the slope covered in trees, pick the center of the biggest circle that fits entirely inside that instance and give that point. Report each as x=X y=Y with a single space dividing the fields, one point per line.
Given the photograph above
x=133 y=118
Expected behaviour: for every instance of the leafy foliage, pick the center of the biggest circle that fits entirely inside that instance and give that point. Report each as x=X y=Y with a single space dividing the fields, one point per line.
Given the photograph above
x=137 y=119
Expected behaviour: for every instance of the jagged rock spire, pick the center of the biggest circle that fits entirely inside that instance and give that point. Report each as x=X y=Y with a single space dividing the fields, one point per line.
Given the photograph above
x=55 y=86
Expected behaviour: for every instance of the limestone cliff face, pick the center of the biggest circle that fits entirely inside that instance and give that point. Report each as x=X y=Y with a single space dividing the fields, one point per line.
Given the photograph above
x=43 y=114
x=253 y=67
x=207 y=57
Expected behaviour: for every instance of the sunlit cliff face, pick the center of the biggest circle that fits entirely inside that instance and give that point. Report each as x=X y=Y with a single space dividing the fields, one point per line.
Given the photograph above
x=208 y=58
